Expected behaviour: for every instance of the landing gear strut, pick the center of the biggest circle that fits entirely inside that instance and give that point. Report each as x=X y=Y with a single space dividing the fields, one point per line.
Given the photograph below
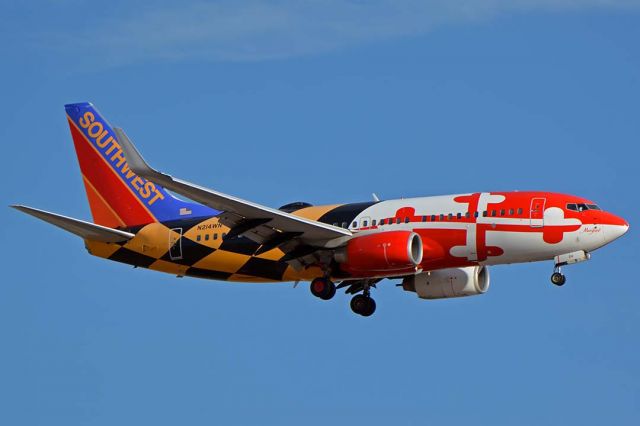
x=323 y=288
x=363 y=304
x=557 y=277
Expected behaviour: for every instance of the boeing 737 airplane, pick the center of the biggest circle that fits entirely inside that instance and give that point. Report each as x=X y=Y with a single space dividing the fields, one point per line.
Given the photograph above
x=439 y=247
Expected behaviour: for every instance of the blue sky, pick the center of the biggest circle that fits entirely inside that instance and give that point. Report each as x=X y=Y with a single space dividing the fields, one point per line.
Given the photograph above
x=321 y=102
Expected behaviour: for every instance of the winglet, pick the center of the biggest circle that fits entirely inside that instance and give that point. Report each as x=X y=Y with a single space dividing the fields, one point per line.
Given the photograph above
x=138 y=164
x=133 y=156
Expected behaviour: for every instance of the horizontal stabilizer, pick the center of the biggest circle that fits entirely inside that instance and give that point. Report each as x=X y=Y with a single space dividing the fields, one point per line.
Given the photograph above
x=87 y=230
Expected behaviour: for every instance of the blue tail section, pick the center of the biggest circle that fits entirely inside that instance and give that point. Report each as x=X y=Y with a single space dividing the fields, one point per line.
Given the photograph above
x=116 y=194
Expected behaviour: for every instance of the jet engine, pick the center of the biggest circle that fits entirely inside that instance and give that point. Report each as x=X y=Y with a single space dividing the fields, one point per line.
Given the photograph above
x=446 y=283
x=382 y=251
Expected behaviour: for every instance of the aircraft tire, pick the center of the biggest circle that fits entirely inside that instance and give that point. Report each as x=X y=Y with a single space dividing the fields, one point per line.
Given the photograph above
x=370 y=307
x=323 y=288
x=558 y=279
x=363 y=305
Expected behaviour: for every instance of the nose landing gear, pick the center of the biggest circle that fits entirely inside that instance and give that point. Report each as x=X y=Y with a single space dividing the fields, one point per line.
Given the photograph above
x=558 y=278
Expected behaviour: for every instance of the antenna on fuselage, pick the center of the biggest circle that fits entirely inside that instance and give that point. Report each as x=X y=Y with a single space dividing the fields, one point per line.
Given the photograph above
x=375 y=197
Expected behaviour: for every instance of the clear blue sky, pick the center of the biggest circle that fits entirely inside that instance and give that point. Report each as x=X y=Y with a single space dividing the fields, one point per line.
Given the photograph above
x=321 y=102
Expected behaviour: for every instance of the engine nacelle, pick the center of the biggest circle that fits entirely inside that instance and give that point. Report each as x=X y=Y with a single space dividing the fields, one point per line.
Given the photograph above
x=382 y=251
x=446 y=283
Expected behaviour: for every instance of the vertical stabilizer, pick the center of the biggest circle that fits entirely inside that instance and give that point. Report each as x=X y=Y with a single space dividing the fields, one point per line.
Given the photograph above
x=118 y=197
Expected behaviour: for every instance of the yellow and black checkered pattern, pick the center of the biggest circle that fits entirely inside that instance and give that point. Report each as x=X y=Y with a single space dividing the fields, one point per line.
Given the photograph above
x=188 y=248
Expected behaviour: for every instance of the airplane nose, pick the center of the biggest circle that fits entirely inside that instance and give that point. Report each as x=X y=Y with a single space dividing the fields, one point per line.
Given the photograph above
x=613 y=232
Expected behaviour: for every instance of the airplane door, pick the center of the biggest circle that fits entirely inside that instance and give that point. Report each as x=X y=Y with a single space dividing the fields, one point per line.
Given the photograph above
x=175 y=244
x=537 y=212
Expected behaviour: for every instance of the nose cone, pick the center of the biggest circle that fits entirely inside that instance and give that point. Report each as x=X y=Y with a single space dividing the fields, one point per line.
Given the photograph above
x=616 y=229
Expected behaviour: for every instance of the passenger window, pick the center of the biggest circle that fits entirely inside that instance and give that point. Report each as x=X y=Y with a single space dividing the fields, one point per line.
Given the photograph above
x=520 y=211
x=344 y=225
x=373 y=222
x=424 y=218
x=459 y=216
x=502 y=212
x=215 y=236
x=485 y=213
x=206 y=237
x=441 y=217
x=493 y=213
x=467 y=215
x=398 y=220
x=510 y=212
x=475 y=214
x=354 y=224
x=198 y=238
x=365 y=223
x=406 y=220
x=433 y=218
x=450 y=216
x=381 y=221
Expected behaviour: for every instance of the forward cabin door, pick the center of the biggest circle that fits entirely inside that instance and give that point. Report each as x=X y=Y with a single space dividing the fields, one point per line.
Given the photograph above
x=175 y=244
x=537 y=212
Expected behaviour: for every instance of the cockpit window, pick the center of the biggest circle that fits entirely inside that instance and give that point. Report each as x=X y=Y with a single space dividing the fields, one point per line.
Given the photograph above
x=580 y=207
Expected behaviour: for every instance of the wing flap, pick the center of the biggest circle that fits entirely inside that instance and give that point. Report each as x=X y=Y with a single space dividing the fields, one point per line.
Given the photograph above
x=86 y=230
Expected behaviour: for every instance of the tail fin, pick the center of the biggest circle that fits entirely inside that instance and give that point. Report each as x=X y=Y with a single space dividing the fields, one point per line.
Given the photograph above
x=117 y=196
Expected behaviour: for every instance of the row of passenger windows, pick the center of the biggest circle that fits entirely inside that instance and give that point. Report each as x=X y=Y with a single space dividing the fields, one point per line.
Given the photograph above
x=205 y=237
x=580 y=207
x=434 y=218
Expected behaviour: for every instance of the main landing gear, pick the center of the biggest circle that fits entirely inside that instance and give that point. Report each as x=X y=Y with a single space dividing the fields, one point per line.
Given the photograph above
x=363 y=304
x=558 y=278
x=323 y=288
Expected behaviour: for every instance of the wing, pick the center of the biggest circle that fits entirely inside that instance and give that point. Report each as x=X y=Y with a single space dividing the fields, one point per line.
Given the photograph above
x=264 y=225
x=87 y=230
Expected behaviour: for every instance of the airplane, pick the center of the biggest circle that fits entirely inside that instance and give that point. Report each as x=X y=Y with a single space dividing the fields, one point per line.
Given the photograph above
x=438 y=246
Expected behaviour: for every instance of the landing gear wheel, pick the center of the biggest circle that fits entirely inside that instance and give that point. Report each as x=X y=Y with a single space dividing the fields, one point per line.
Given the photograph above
x=370 y=308
x=358 y=303
x=323 y=288
x=558 y=279
x=363 y=305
